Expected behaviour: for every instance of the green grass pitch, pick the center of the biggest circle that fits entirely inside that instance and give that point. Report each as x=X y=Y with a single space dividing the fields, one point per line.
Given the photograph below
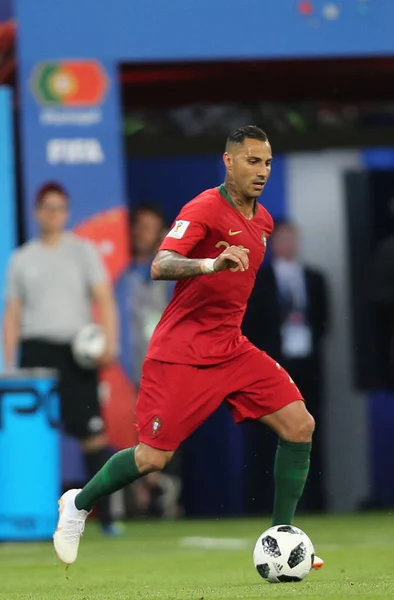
x=163 y=561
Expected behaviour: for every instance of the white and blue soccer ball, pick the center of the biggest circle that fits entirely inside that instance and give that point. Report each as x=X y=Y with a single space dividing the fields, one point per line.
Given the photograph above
x=283 y=553
x=89 y=345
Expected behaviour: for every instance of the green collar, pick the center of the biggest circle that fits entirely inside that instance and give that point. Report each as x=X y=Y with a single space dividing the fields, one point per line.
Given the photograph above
x=223 y=192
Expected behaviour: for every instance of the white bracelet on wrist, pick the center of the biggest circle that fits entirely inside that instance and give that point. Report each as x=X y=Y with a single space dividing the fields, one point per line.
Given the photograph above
x=207 y=266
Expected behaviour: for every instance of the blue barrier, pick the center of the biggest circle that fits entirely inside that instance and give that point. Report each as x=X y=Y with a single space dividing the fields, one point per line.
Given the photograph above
x=29 y=455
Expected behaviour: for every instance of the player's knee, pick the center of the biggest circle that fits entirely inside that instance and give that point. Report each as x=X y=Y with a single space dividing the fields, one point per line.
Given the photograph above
x=308 y=427
x=300 y=430
x=150 y=459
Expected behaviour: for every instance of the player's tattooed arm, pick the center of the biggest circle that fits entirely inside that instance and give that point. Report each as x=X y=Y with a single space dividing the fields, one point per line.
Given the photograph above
x=168 y=264
x=173 y=266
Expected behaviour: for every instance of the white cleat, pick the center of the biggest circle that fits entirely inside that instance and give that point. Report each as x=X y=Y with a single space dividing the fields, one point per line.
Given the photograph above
x=70 y=527
x=318 y=563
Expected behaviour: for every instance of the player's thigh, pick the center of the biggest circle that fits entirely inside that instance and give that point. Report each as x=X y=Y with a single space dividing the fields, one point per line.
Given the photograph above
x=264 y=387
x=173 y=401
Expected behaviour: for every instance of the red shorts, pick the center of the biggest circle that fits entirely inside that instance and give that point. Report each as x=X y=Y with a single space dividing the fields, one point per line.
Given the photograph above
x=174 y=399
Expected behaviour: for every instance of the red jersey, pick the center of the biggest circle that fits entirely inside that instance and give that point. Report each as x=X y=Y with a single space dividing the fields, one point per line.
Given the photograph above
x=202 y=323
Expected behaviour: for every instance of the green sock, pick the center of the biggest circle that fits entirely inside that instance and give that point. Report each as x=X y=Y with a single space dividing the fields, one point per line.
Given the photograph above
x=291 y=471
x=117 y=472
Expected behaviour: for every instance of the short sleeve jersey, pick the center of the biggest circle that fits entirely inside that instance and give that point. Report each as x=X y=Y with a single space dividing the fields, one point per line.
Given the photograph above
x=54 y=286
x=202 y=323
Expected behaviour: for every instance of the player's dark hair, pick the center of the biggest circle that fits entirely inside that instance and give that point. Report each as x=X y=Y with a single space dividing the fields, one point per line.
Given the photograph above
x=49 y=188
x=151 y=207
x=252 y=132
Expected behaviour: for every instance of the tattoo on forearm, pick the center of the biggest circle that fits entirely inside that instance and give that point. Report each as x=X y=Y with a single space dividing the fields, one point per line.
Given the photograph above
x=173 y=266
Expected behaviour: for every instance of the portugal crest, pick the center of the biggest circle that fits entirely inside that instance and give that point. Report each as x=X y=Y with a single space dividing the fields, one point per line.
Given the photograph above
x=156 y=425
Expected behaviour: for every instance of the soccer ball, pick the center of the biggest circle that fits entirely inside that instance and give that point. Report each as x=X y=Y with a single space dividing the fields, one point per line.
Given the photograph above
x=283 y=553
x=89 y=345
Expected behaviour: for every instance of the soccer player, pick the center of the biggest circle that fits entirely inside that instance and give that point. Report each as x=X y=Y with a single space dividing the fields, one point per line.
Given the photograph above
x=197 y=358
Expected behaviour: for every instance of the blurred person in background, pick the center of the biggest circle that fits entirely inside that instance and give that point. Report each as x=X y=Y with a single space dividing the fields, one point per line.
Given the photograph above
x=142 y=301
x=287 y=316
x=147 y=298
x=380 y=291
x=53 y=282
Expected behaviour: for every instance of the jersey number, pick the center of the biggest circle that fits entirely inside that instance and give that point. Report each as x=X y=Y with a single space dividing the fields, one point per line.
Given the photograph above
x=227 y=245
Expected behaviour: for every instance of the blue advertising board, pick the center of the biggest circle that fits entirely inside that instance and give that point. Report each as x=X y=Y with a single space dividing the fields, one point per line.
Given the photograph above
x=29 y=456
x=71 y=131
x=153 y=30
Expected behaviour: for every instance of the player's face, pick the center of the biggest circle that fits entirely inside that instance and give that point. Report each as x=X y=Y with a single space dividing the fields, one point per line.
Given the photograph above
x=249 y=166
x=285 y=242
x=147 y=233
x=52 y=214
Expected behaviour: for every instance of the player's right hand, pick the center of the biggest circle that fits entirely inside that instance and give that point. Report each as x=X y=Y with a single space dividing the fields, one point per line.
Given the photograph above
x=231 y=257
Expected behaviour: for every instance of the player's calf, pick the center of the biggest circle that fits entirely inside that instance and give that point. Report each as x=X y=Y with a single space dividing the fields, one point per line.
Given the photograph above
x=150 y=459
x=294 y=426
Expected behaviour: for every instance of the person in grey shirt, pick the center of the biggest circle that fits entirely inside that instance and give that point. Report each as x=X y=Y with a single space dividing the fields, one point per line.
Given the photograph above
x=52 y=283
